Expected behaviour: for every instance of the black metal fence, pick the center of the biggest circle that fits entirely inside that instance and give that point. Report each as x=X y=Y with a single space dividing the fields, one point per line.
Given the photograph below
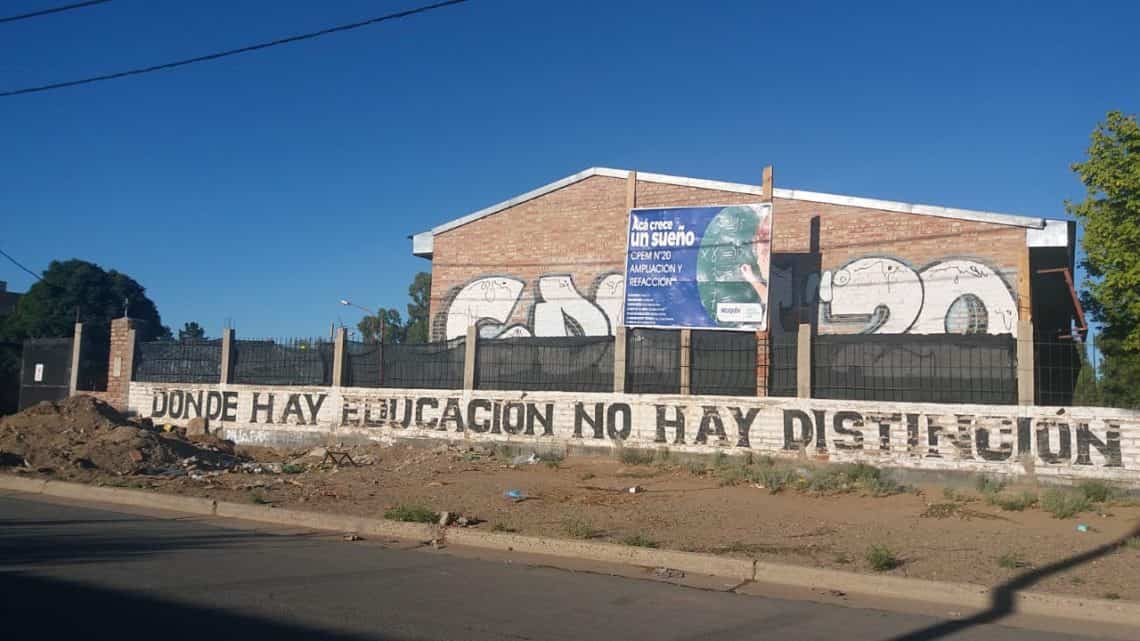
x=572 y=364
x=941 y=369
x=1057 y=376
x=184 y=361
x=653 y=361
x=412 y=366
x=298 y=361
x=723 y=363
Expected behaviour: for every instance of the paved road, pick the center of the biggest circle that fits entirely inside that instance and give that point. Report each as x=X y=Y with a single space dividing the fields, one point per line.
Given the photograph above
x=78 y=572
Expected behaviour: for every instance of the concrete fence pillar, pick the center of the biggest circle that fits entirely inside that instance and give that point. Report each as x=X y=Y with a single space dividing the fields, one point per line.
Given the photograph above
x=469 y=349
x=619 y=359
x=339 y=345
x=227 y=368
x=686 y=361
x=803 y=361
x=76 y=356
x=1026 y=381
x=121 y=363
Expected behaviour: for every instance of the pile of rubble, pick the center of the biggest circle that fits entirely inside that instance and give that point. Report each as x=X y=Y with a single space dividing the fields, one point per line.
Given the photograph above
x=84 y=433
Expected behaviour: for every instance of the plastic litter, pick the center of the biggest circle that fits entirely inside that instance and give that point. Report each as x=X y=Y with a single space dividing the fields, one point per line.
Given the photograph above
x=635 y=489
x=1081 y=527
x=525 y=459
x=514 y=495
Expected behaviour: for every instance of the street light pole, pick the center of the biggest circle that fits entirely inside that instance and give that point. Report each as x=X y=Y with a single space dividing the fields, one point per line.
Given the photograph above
x=379 y=314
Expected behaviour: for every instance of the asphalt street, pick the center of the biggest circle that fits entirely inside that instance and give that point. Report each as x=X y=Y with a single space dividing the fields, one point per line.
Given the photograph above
x=68 y=571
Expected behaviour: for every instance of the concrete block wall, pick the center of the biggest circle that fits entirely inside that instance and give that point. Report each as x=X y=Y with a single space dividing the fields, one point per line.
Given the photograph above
x=1059 y=444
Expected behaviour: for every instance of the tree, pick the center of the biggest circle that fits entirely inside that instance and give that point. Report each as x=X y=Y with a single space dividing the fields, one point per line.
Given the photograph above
x=74 y=290
x=369 y=326
x=417 y=329
x=191 y=331
x=1110 y=216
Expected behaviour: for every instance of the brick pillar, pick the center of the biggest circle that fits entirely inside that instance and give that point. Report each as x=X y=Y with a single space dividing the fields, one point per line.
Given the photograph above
x=686 y=360
x=762 y=362
x=121 y=363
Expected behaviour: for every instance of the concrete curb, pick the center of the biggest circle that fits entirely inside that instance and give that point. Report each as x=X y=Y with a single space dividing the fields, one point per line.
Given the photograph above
x=961 y=595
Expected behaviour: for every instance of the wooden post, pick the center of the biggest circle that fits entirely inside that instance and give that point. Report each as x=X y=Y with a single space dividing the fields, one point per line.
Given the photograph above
x=339 y=345
x=803 y=361
x=227 y=356
x=766 y=184
x=76 y=356
x=619 y=359
x=686 y=359
x=469 y=349
x=761 y=362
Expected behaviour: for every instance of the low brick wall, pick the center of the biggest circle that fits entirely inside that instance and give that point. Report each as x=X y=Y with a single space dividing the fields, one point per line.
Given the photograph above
x=1064 y=444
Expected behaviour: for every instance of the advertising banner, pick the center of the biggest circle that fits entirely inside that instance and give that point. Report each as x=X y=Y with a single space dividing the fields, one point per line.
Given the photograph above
x=699 y=267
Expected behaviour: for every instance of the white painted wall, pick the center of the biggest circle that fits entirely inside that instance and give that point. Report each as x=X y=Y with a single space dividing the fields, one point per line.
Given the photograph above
x=1101 y=443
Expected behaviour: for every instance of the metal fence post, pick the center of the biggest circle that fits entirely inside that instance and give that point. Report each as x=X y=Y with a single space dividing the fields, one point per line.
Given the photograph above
x=227 y=356
x=803 y=361
x=469 y=358
x=1026 y=384
x=686 y=360
x=619 y=359
x=338 y=357
x=76 y=356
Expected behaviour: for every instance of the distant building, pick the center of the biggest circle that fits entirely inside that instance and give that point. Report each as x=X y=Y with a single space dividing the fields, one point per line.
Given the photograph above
x=8 y=299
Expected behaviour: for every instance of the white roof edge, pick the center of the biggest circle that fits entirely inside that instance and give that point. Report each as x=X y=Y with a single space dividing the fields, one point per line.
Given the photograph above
x=1031 y=222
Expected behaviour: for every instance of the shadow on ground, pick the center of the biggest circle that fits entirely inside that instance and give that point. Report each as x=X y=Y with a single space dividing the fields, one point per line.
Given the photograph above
x=1002 y=599
x=45 y=608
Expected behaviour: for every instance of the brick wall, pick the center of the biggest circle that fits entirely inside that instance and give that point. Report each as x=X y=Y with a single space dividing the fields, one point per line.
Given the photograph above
x=577 y=234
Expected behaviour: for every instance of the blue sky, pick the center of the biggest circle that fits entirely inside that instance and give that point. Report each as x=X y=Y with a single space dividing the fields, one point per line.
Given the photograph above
x=263 y=188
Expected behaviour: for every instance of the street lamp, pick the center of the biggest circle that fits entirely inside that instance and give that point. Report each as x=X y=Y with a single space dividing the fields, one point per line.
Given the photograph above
x=380 y=315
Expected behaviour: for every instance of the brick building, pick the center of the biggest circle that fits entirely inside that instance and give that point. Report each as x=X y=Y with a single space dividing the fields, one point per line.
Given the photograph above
x=844 y=264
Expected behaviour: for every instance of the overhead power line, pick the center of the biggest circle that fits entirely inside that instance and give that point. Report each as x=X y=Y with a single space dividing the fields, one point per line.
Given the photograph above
x=18 y=264
x=232 y=52
x=44 y=12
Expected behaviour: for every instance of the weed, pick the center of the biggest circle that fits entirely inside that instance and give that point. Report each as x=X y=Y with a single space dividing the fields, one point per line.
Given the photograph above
x=587 y=476
x=579 y=529
x=1064 y=504
x=842 y=559
x=1133 y=543
x=1098 y=491
x=640 y=541
x=1076 y=580
x=950 y=494
x=551 y=463
x=990 y=484
x=732 y=474
x=774 y=479
x=1012 y=502
x=632 y=456
x=502 y=527
x=1111 y=596
x=720 y=460
x=940 y=511
x=292 y=468
x=882 y=558
x=884 y=487
x=411 y=513
x=696 y=468
x=255 y=496
x=1011 y=561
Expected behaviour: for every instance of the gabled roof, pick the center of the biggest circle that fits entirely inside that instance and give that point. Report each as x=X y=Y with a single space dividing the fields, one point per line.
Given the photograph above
x=422 y=242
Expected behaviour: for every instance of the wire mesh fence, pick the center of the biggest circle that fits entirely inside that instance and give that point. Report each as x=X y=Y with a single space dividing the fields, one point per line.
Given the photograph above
x=184 y=361
x=424 y=365
x=783 y=354
x=941 y=369
x=1058 y=366
x=653 y=361
x=723 y=363
x=293 y=361
x=362 y=364
x=570 y=364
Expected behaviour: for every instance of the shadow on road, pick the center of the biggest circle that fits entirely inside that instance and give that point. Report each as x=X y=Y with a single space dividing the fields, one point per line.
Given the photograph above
x=1001 y=601
x=45 y=608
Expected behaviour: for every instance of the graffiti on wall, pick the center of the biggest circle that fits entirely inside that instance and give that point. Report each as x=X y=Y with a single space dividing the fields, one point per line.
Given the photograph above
x=559 y=308
x=883 y=295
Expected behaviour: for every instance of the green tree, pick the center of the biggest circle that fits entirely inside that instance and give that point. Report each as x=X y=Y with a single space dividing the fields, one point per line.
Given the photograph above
x=78 y=290
x=369 y=326
x=191 y=331
x=1110 y=216
x=417 y=329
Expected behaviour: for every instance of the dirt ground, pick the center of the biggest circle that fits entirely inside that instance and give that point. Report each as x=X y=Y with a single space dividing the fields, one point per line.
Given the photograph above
x=935 y=532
